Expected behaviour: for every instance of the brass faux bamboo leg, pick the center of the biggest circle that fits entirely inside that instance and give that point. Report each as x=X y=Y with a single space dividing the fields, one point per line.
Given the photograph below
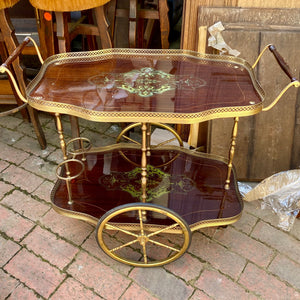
x=231 y=151
x=144 y=162
x=64 y=151
x=82 y=149
x=148 y=142
x=62 y=142
x=61 y=135
x=68 y=178
x=70 y=200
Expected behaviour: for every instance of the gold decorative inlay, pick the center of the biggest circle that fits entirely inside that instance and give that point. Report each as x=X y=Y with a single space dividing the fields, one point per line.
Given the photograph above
x=158 y=183
x=145 y=82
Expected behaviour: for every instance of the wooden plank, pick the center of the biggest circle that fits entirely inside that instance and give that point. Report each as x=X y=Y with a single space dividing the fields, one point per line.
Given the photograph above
x=5 y=87
x=6 y=92
x=198 y=132
x=274 y=134
x=7 y=99
x=189 y=21
x=259 y=27
x=190 y=10
x=220 y=134
x=295 y=163
x=269 y=3
x=267 y=143
x=249 y=18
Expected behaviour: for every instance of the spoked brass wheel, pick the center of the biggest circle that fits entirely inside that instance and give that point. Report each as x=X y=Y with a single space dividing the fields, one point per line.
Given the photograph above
x=143 y=235
x=175 y=136
x=172 y=139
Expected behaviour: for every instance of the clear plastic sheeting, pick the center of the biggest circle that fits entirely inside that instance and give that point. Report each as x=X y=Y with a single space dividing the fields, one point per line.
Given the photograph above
x=281 y=193
x=245 y=187
x=217 y=41
x=165 y=137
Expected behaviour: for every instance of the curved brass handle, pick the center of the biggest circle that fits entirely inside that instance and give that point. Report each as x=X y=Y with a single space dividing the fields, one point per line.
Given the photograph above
x=295 y=83
x=286 y=69
x=4 y=69
x=260 y=55
x=15 y=54
x=284 y=66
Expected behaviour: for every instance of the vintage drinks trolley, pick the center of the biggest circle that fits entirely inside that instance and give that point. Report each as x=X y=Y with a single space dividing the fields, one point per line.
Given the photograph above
x=146 y=199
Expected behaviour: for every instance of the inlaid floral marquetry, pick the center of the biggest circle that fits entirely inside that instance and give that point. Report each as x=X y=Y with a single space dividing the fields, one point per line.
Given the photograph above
x=145 y=82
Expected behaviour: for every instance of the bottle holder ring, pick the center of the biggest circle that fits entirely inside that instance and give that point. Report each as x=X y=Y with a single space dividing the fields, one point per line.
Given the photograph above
x=84 y=145
x=67 y=163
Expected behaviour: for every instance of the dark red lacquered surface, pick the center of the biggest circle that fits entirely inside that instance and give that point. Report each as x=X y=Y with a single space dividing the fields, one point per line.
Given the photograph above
x=157 y=83
x=192 y=186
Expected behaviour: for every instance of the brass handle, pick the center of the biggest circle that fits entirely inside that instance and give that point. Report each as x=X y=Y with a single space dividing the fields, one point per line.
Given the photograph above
x=4 y=68
x=284 y=66
x=15 y=54
x=286 y=69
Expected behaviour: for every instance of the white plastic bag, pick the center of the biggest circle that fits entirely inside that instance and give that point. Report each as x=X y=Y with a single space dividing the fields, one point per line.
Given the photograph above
x=281 y=193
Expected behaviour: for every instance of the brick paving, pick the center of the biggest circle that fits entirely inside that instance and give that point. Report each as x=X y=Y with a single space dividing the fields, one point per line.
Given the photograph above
x=48 y=256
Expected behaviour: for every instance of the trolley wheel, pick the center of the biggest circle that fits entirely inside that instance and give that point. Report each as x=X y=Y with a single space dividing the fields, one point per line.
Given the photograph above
x=140 y=242
x=124 y=136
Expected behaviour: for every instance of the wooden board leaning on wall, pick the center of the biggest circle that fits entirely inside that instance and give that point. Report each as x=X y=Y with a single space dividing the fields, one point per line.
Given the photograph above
x=189 y=22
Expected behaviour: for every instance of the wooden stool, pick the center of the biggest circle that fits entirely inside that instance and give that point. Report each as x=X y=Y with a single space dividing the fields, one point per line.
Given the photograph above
x=142 y=15
x=9 y=44
x=66 y=31
x=62 y=29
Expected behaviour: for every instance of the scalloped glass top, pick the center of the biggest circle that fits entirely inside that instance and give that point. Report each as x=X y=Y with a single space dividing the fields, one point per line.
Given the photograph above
x=176 y=82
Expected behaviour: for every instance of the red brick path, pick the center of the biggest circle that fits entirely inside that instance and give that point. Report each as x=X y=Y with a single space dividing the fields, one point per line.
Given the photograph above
x=48 y=256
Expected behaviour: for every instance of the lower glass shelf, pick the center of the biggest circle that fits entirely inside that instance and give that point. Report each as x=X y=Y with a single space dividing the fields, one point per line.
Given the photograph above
x=187 y=182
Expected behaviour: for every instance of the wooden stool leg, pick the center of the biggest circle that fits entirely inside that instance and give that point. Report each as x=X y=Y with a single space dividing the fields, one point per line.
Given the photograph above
x=164 y=23
x=103 y=27
x=75 y=130
x=91 y=39
x=37 y=127
x=45 y=31
x=111 y=17
x=62 y=36
x=61 y=32
x=132 y=23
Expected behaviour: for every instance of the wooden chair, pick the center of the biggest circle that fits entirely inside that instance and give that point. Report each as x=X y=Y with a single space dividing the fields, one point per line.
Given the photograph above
x=9 y=44
x=63 y=31
x=8 y=93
